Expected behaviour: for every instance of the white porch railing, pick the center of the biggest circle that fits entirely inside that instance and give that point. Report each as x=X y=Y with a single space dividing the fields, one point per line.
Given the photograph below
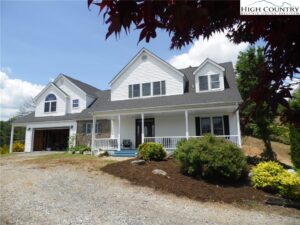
x=106 y=143
x=170 y=142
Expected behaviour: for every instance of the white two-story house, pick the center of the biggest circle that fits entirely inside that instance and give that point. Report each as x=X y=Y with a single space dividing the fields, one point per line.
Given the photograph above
x=149 y=101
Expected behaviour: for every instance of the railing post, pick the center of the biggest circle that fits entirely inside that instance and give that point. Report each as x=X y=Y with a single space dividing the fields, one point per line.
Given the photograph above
x=238 y=128
x=143 y=134
x=119 y=133
x=186 y=124
x=93 y=133
x=12 y=138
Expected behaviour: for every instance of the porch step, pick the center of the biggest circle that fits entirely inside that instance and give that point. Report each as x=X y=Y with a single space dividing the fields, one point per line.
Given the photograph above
x=124 y=153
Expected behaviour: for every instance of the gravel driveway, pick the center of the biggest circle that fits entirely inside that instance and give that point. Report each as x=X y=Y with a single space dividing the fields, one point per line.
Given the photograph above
x=67 y=195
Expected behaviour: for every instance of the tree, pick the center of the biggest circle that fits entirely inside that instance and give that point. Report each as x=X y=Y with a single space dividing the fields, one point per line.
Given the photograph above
x=295 y=133
x=27 y=107
x=250 y=67
x=188 y=20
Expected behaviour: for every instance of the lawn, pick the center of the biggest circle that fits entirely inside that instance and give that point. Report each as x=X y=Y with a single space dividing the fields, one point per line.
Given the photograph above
x=254 y=146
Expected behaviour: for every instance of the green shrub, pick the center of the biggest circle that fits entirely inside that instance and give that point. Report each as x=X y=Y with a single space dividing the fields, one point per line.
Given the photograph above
x=18 y=147
x=271 y=176
x=210 y=157
x=4 y=149
x=295 y=145
x=80 y=148
x=151 y=151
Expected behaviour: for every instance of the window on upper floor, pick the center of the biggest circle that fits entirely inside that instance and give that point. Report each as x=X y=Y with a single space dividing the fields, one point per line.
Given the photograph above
x=159 y=88
x=144 y=90
x=50 y=103
x=209 y=82
x=75 y=103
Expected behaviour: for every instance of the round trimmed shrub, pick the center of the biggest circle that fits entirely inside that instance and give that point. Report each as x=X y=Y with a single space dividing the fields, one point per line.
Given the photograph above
x=18 y=147
x=151 y=151
x=271 y=176
x=209 y=156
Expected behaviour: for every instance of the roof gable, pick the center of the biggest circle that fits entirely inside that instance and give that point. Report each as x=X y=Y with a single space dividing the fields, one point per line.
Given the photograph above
x=137 y=56
x=207 y=60
x=47 y=87
x=81 y=86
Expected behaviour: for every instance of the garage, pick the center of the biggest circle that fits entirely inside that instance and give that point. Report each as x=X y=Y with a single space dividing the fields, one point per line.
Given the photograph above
x=55 y=139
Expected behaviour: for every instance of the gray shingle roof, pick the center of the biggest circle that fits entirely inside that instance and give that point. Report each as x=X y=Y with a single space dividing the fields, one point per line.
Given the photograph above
x=89 y=89
x=103 y=103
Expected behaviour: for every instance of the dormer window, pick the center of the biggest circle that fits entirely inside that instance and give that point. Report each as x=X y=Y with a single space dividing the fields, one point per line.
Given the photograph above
x=209 y=82
x=50 y=103
x=215 y=81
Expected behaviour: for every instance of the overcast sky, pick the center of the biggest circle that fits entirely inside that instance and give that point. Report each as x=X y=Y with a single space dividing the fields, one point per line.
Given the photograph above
x=40 y=39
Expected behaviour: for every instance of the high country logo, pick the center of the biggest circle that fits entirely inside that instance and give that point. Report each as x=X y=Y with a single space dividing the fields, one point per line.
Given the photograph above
x=271 y=7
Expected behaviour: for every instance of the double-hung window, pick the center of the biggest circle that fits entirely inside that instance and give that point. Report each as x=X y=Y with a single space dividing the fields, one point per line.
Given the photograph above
x=146 y=89
x=87 y=128
x=203 y=83
x=50 y=103
x=212 y=125
x=215 y=81
x=159 y=88
x=98 y=128
x=75 y=103
x=209 y=82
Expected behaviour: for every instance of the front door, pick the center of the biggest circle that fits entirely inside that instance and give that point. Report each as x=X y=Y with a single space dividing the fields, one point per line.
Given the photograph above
x=149 y=130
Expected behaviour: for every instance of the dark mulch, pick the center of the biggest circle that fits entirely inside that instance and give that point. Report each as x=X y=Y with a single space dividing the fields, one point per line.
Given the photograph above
x=181 y=185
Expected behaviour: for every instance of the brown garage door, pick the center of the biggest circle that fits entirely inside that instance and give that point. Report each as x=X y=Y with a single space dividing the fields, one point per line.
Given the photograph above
x=51 y=139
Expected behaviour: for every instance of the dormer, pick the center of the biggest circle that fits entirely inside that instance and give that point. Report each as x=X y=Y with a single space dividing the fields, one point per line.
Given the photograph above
x=146 y=76
x=209 y=76
x=63 y=96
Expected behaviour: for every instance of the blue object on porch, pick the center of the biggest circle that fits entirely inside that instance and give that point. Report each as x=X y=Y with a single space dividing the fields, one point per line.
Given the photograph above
x=124 y=153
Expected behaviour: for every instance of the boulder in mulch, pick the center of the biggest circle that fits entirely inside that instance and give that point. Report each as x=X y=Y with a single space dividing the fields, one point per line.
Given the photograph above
x=159 y=172
x=138 y=162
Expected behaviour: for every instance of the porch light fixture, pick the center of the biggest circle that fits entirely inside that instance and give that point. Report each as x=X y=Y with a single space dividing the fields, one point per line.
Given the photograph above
x=29 y=128
x=71 y=127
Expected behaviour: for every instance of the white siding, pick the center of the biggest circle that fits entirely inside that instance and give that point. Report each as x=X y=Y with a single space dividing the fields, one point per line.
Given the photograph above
x=60 y=104
x=209 y=69
x=149 y=70
x=170 y=125
x=74 y=93
x=29 y=136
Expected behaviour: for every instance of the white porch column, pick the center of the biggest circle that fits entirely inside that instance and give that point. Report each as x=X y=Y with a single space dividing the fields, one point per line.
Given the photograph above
x=186 y=113
x=11 y=138
x=119 y=132
x=143 y=134
x=93 y=133
x=238 y=128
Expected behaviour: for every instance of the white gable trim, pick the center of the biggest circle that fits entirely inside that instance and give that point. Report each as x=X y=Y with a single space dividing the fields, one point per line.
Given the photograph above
x=143 y=50
x=46 y=88
x=74 y=85
x=208 y=61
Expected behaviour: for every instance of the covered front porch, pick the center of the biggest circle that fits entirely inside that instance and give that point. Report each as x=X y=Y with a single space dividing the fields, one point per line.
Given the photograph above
x=167 y=127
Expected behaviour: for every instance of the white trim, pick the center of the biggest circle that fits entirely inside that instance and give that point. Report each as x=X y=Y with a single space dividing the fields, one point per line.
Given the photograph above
x=238 y=128
x=74 y=85
x=11 y=139
x=93 y=132
x=186 y=115
x=143 y=128
x=119 y=133
x=208 y=60
x=143 y=50
x=46 y=88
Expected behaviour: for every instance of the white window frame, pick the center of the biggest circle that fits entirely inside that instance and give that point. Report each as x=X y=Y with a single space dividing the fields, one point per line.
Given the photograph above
x=210 y=82
x=75 y=107
x=50 y=104
x=98 y=127
x=86 y=128
x=130 y=87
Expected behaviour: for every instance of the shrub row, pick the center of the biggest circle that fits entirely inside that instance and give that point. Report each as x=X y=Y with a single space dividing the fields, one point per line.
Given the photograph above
x=79 y=148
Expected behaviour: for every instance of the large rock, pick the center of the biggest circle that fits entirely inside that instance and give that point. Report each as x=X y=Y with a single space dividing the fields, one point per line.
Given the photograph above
x=159 y=172
x=138 y=162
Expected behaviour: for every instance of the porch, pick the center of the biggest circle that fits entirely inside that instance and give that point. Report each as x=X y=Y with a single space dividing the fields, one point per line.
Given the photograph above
x=129 y=130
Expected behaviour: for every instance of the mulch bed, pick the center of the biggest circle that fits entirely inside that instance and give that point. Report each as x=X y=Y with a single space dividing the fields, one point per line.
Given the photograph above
x=181 y=185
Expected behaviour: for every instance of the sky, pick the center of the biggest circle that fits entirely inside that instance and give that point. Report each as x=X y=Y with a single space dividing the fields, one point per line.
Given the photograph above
x=41 y=39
